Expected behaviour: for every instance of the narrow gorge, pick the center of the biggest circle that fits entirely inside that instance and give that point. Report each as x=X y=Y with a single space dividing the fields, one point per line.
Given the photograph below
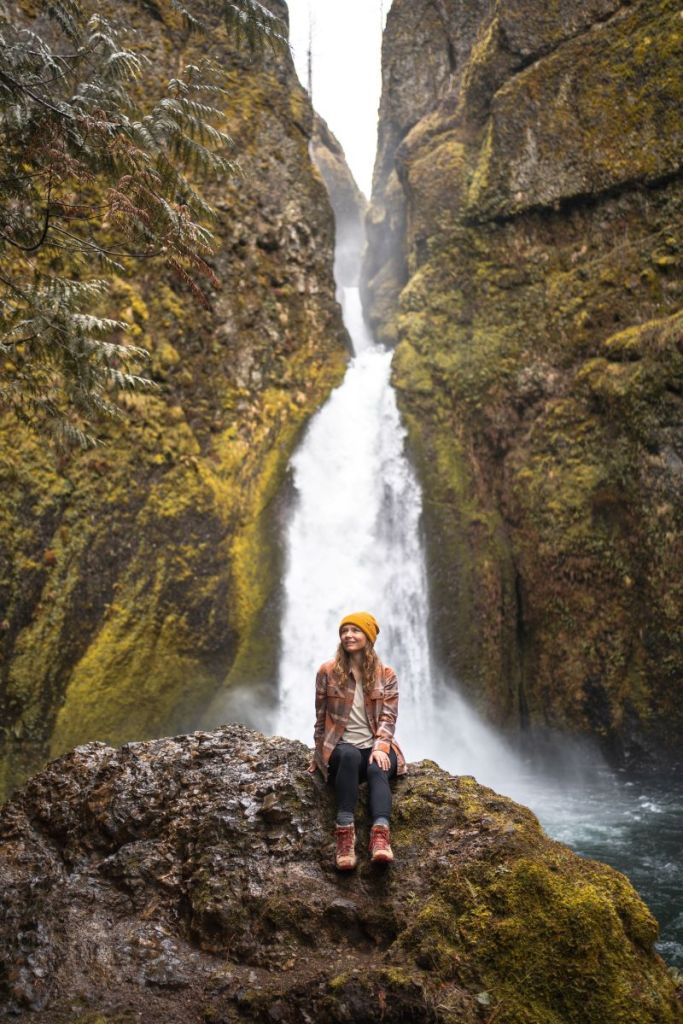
x=459 y=404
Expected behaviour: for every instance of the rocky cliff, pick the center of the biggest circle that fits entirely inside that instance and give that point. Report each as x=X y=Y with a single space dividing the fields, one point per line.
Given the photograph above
x=134 y=577
x=525 y=253
x=190 y=880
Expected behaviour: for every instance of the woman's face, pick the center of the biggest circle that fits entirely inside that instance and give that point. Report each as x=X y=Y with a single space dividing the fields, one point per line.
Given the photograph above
x=352 y=638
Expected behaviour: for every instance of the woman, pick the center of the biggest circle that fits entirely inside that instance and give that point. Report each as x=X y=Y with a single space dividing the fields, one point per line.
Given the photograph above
x=356 y=704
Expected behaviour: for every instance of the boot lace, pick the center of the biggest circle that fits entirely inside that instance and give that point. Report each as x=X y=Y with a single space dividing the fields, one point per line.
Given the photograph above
x=379 y=838
x=345 y=837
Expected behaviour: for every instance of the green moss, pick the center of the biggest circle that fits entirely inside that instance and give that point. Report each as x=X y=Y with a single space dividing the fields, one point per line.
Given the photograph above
x=601 y=110
x=523 y=925
x=536 y=922
x=137 y=575
x=470 y=564
x=442 y=161
x=537 y=370
x=96 y=1017
x=160 y=654
x=146 y=668
x=256 y=559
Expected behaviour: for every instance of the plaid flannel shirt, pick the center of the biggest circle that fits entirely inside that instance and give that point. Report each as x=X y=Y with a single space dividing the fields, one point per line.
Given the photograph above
x=333 y=705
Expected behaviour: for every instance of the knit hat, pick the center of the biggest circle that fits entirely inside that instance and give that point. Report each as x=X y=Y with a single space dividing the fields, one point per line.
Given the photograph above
x=365 y=621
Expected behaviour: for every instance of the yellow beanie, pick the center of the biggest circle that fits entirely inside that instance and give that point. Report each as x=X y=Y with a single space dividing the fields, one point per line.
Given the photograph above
x=365 y=621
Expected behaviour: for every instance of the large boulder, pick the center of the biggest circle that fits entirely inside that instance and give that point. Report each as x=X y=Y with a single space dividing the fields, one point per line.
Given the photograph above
x=190 y=879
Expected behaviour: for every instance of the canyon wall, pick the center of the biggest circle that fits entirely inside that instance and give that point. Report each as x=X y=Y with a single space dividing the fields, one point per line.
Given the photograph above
x=138 y=580
x=348 y=202
x=525 y=255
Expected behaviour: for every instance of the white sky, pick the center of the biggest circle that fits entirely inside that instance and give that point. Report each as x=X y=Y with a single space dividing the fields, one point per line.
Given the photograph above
x=347 y=40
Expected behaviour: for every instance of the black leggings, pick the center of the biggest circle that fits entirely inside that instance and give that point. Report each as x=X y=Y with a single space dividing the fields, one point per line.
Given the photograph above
x=348 y=767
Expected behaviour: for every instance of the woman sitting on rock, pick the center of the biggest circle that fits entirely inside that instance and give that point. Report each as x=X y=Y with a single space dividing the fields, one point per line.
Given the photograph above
x=356 y=704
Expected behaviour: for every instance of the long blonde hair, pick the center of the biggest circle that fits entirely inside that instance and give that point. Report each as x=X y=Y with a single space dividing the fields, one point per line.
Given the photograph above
x=369 y=665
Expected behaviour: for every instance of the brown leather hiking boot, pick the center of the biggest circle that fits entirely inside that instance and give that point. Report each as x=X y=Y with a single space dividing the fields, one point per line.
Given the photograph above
x=345 y=854
x=380 y=849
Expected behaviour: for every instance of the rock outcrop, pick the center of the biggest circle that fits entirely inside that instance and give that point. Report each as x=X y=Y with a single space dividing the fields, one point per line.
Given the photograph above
x=190 y=880
x=130 y=569
x=525 y=253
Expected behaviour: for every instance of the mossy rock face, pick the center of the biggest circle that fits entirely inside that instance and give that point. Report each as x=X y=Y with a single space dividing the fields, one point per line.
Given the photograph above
x=135 y=577
x=202 y=867
x=425 y=45
x=539 y=360
x=601 y=111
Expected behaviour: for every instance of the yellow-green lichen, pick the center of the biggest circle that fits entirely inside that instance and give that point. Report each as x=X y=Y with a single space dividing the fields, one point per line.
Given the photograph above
x=601 y=110
x=537 y=368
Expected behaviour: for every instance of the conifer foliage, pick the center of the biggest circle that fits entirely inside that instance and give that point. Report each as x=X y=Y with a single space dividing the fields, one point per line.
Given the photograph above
x=90 y=180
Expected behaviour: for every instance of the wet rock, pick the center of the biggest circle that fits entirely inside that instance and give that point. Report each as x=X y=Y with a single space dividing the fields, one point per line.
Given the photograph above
x=190 y=912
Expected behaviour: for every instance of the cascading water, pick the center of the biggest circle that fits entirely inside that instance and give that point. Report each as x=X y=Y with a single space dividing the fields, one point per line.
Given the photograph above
x=353 y=540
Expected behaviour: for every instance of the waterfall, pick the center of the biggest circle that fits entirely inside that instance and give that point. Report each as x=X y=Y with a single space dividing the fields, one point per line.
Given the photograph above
x=353 y=542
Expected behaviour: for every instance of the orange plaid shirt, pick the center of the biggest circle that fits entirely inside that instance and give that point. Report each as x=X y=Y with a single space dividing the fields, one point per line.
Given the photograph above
x=333 y=705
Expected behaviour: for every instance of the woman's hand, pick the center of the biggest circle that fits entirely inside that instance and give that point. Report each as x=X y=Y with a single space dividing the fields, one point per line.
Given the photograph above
x=381 y=760
x=312 y=766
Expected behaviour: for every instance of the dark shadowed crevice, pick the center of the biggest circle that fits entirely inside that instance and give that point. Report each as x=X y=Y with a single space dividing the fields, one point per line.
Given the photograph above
x=442 y=14
x=521 y=649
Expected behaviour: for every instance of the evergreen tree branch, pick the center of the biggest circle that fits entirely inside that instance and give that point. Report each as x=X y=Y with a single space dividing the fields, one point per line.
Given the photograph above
x=46 y=225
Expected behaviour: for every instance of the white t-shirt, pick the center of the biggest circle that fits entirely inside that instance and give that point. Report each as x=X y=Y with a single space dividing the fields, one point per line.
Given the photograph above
x=358 y=731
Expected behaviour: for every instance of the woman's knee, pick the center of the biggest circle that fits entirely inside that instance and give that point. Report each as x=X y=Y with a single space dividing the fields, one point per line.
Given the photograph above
x=347 y=754
x=387 y=772
x=375 y=772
